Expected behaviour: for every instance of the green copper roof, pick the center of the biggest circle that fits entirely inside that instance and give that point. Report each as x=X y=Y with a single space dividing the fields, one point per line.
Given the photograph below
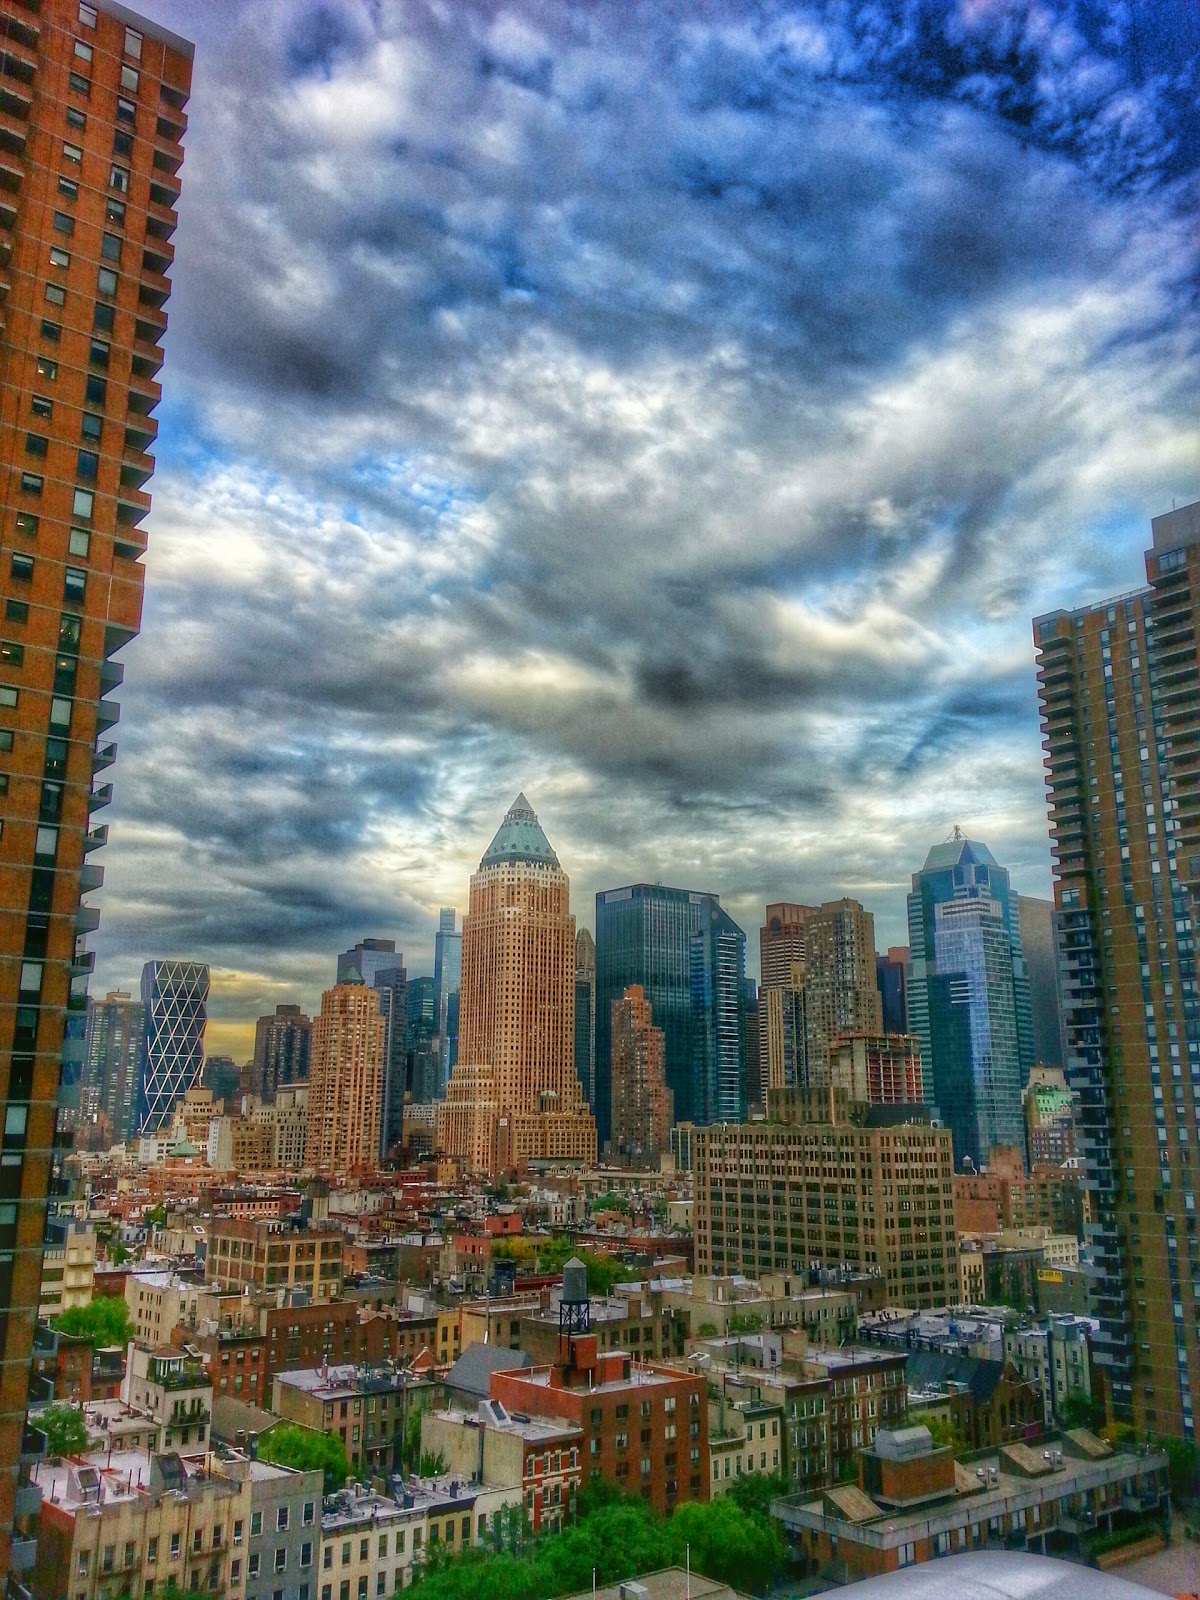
x=519 y=838
x=958 y=850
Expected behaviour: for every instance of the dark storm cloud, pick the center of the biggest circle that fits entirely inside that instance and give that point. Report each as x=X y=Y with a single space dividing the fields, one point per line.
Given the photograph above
x=677 y=410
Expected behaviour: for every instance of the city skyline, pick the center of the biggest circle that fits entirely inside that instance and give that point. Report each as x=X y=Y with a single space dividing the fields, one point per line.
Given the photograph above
x=546 y=301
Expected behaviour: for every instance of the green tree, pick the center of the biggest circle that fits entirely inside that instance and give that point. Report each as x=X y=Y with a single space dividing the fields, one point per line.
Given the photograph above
x=431 y=1464
x=727 y=1544
x=1181 y=1466
x=753 y=1493
x=751 y=1322
x=104 y=1321
x=65 y=1430
x=289 y=1445
x=1079 y=1411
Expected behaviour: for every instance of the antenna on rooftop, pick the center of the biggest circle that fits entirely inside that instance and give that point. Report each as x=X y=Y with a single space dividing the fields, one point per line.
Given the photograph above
x=956 y=835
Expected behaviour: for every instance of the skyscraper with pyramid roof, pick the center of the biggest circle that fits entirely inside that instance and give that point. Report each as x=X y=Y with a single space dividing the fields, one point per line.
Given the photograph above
x=514 y=1096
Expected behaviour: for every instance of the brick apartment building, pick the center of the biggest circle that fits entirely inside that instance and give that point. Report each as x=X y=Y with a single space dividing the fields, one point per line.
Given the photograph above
x=265 y=1254
x=644 y=1427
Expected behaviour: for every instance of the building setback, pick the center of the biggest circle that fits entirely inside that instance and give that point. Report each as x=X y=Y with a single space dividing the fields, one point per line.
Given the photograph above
x=822 y=1182
x=1120 y=706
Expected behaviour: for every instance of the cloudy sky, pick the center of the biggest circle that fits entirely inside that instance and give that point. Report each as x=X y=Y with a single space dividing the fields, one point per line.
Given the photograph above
x=676 y=410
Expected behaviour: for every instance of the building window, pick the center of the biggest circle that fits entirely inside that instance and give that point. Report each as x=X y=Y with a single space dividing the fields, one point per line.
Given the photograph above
x=103 y=318
x=87 y=464
x=41 y=405
x=126 y=111
x=68 y=188
x=98 y=353
x=114 y=212
x=30 y=484
x=129 y=80
x=83 y=502
x=122 y=144
x=51 y=330
x=47 y=368
x=36 y=444
x=64 y=222
x=91 y=426
x=76 y=118
x=56 y=294
x=11 y=653
x=281 y=1519
x=110 y=247
x=16 y=611
x=87 y=15
x=73 y=154
x=83 y=51
x=118 y=178
x=133 y=43
x=106 y=281
x=59 y=258
x=78 y=83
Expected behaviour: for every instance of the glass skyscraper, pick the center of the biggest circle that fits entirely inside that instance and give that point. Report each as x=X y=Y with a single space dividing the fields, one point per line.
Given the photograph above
x=175 y=999
x=644 y=935
x=447 y=976
x=718 y=980
x=968 y=995
x=377 y=963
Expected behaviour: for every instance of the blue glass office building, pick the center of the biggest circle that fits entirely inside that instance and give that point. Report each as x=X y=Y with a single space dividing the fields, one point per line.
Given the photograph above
x=175 y=999
x=968 y=995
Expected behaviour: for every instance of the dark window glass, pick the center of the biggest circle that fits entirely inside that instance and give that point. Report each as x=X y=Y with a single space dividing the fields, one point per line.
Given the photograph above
x=87 y=465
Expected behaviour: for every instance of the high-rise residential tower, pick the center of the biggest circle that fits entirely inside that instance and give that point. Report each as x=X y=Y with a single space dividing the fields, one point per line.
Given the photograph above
x=447 y=978
x=644 y=936
x=585 y=1013
x=780 y=969
x=345 y=1082
x=282 y=1048
x=841 y=994
x=175 y=1000
x=641 y=1101
x=968 y=995
x=891 y=976
x=514 y=1095
x=718 y=979
x=378 y=964
x=423 y=1053
x=92 y=122
x=112 y=1050
x=1120 y=703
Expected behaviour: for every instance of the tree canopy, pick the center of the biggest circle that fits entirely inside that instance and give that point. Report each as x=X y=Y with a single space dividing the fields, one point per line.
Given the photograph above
x=290 y=1445
x=617 y=1536
x=104 y=1321
x=65 y=1430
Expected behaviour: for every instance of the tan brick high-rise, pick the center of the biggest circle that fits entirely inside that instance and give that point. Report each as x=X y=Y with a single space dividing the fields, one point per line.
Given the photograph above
x=514 y=1095
x=841 y=993
x=91 y=118
x=345 y=1086
x=642 y=1105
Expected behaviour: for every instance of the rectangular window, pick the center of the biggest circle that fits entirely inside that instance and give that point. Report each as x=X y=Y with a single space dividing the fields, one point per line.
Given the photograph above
x=103 y=318
x=96 y=390
x=68 y=188
x=110 y=249
x=64 y=222
x=59 y=258
x=12 y=654
x=76 y=118
x=281 y=1519
x=98 y=353
x=79 y=542
x=91 y=426
x=45 y=843
x=114 y=212
x=126 y=111
x=83 y=502
x=56 y=294
x=118 y=178
x=78 y=83
x=129 y=80
x=6 y=739
x=73 y=154
x=36 y=444
x=122 y=144
x=106 y=281
x=47 y=368
x=87 y=15
x=41 y=405
x=8 y=694
x=31 y=483
x=74 y=585
x=51 y=330
x=83 y=51
x=133 y=43
x=87 y=464
x=17 y=610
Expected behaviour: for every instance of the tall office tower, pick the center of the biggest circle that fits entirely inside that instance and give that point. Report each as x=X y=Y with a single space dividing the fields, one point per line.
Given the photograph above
x=514 y=1096
x=718 y=969
x=585 y=1013
x=826 y=1170
x=1037 y=946
x=423 y=1070
x=345 y=1081
x=644 y=936
x=93 y=117
x=782 y=1020
x=223 y=1079
x=282 y=1047
x=175 y=1000
x=968 y=995
x=891 y=975
x=642 y=1115
x=841 y=994
x=1118 y=690
x=112 y=1050
x=447 y=977
x=753 y=1093
x=377 y=963
x=780 y=956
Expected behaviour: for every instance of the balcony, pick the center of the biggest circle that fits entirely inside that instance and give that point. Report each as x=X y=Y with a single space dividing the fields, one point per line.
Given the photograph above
x=91 y=877
x=22 y=1554
x=104 y=756
x=100 y=796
